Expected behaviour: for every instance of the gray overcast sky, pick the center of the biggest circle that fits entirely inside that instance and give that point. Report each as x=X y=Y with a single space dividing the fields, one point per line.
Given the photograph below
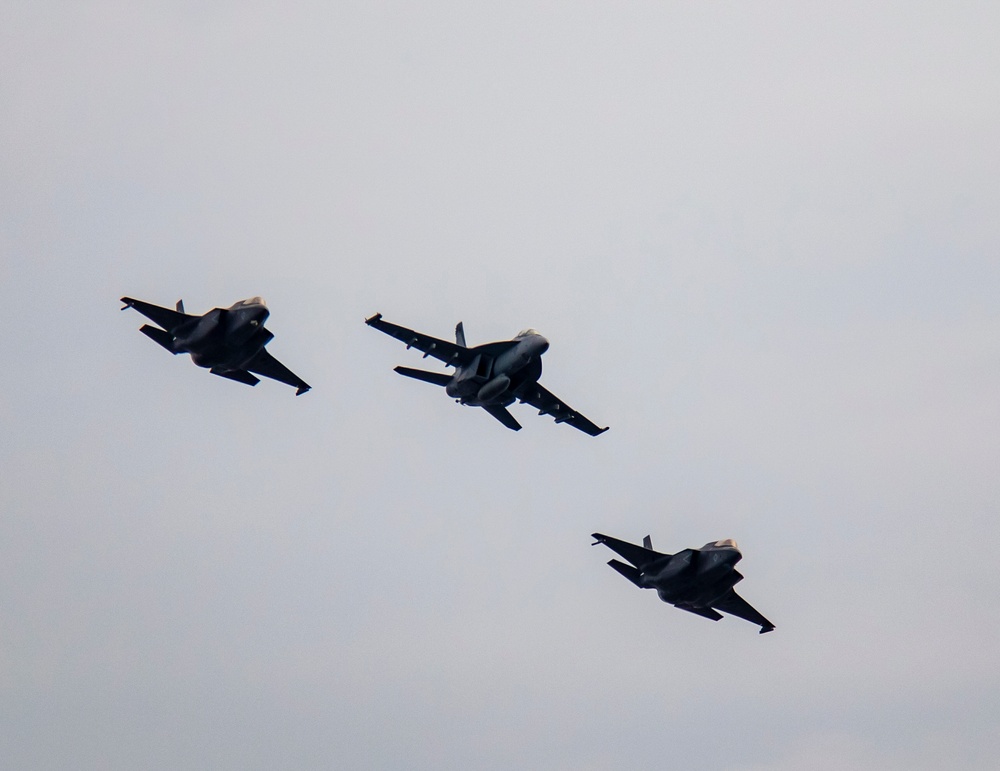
x=762 y=239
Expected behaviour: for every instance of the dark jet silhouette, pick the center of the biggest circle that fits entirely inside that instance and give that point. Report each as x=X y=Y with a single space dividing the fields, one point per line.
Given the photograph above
x=492 y=376
x=697 y=580
x=228 y=341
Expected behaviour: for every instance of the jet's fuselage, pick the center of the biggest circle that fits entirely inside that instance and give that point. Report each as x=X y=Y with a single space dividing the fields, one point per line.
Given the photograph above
x=694 y=576
x=224 y=337
x=495 y=378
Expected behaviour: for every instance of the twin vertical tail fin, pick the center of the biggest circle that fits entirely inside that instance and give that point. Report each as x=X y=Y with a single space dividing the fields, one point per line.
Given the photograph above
x=647 y=543
x=460 y=335
x=180 y=306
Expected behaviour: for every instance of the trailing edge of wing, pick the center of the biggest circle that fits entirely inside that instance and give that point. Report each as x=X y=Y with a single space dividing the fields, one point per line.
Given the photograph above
x=637 y=555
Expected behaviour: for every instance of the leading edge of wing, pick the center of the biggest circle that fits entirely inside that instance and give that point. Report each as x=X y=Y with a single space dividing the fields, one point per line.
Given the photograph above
x=637 y=555
x=167 y=318
x=442 y=350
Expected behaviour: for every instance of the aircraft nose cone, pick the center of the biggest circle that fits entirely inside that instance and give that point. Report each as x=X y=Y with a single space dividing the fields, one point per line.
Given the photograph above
x=541 y=345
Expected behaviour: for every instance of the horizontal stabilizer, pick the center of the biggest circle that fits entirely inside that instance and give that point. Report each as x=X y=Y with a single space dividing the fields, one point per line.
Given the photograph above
x=239 y=375
x=161 y=336
x=437 y=378
x=500 y=412
x=706 y=612
x=631 y=573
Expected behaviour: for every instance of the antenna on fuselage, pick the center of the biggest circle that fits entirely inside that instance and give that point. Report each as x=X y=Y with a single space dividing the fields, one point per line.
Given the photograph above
x=647 y=543
x=460 y=334
x=180 y=306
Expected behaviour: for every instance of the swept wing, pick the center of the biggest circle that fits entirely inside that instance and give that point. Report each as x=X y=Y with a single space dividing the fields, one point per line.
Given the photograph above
x=167 y=318
x=547 y=404
x=442 y=350
x=735 y=605
x=268 y=366
x=637 y=555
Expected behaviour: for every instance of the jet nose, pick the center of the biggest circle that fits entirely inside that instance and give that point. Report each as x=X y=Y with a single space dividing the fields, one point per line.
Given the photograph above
x=541 y=345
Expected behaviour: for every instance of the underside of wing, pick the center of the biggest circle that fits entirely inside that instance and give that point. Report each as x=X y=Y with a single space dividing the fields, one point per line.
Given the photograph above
x=450 y=353
x=268 y=366
x=637 y=555
x=500 y=413
x=547 y=404
x=735 y=605
x=706 y=612
x=167 y=318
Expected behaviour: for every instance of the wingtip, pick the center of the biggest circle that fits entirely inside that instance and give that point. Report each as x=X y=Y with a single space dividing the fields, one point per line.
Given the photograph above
x=302 y=389
x=373 y=319
x=126 y=302
x=765 y=629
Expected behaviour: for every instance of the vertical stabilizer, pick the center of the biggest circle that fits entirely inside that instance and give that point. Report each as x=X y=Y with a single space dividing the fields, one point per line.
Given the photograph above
x=460 y=334
x=180 y=306
x=647 y=543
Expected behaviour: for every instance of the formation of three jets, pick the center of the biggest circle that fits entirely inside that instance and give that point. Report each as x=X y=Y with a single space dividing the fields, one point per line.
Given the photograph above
x=230 y=342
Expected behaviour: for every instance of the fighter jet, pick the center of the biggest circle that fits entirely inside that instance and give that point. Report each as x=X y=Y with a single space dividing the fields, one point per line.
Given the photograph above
x=696 y=580
x=492 y=376
x=228 y=341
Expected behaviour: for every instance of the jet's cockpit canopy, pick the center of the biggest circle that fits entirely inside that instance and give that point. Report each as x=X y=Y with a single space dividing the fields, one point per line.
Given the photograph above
x=526 y=333
x=725 y=543
x=258 y=300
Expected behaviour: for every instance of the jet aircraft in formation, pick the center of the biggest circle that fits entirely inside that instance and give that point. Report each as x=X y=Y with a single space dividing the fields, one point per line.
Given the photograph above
x=492 y=376
x=696 y=580
x=229 y=342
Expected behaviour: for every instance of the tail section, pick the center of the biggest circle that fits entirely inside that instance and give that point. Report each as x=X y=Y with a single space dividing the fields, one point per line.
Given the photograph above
x=500 y=412
x=161 y=336
x=460 y=334
x=631 y=573
x=436 y=378
x=647 y=543
x=180 y=306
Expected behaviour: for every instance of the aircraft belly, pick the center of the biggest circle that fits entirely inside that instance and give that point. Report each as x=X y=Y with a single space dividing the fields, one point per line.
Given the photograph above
x=226 y=356
x=492 y=390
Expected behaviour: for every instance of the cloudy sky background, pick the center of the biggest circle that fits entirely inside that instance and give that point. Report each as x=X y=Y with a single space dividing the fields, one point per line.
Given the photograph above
x=763 y=242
